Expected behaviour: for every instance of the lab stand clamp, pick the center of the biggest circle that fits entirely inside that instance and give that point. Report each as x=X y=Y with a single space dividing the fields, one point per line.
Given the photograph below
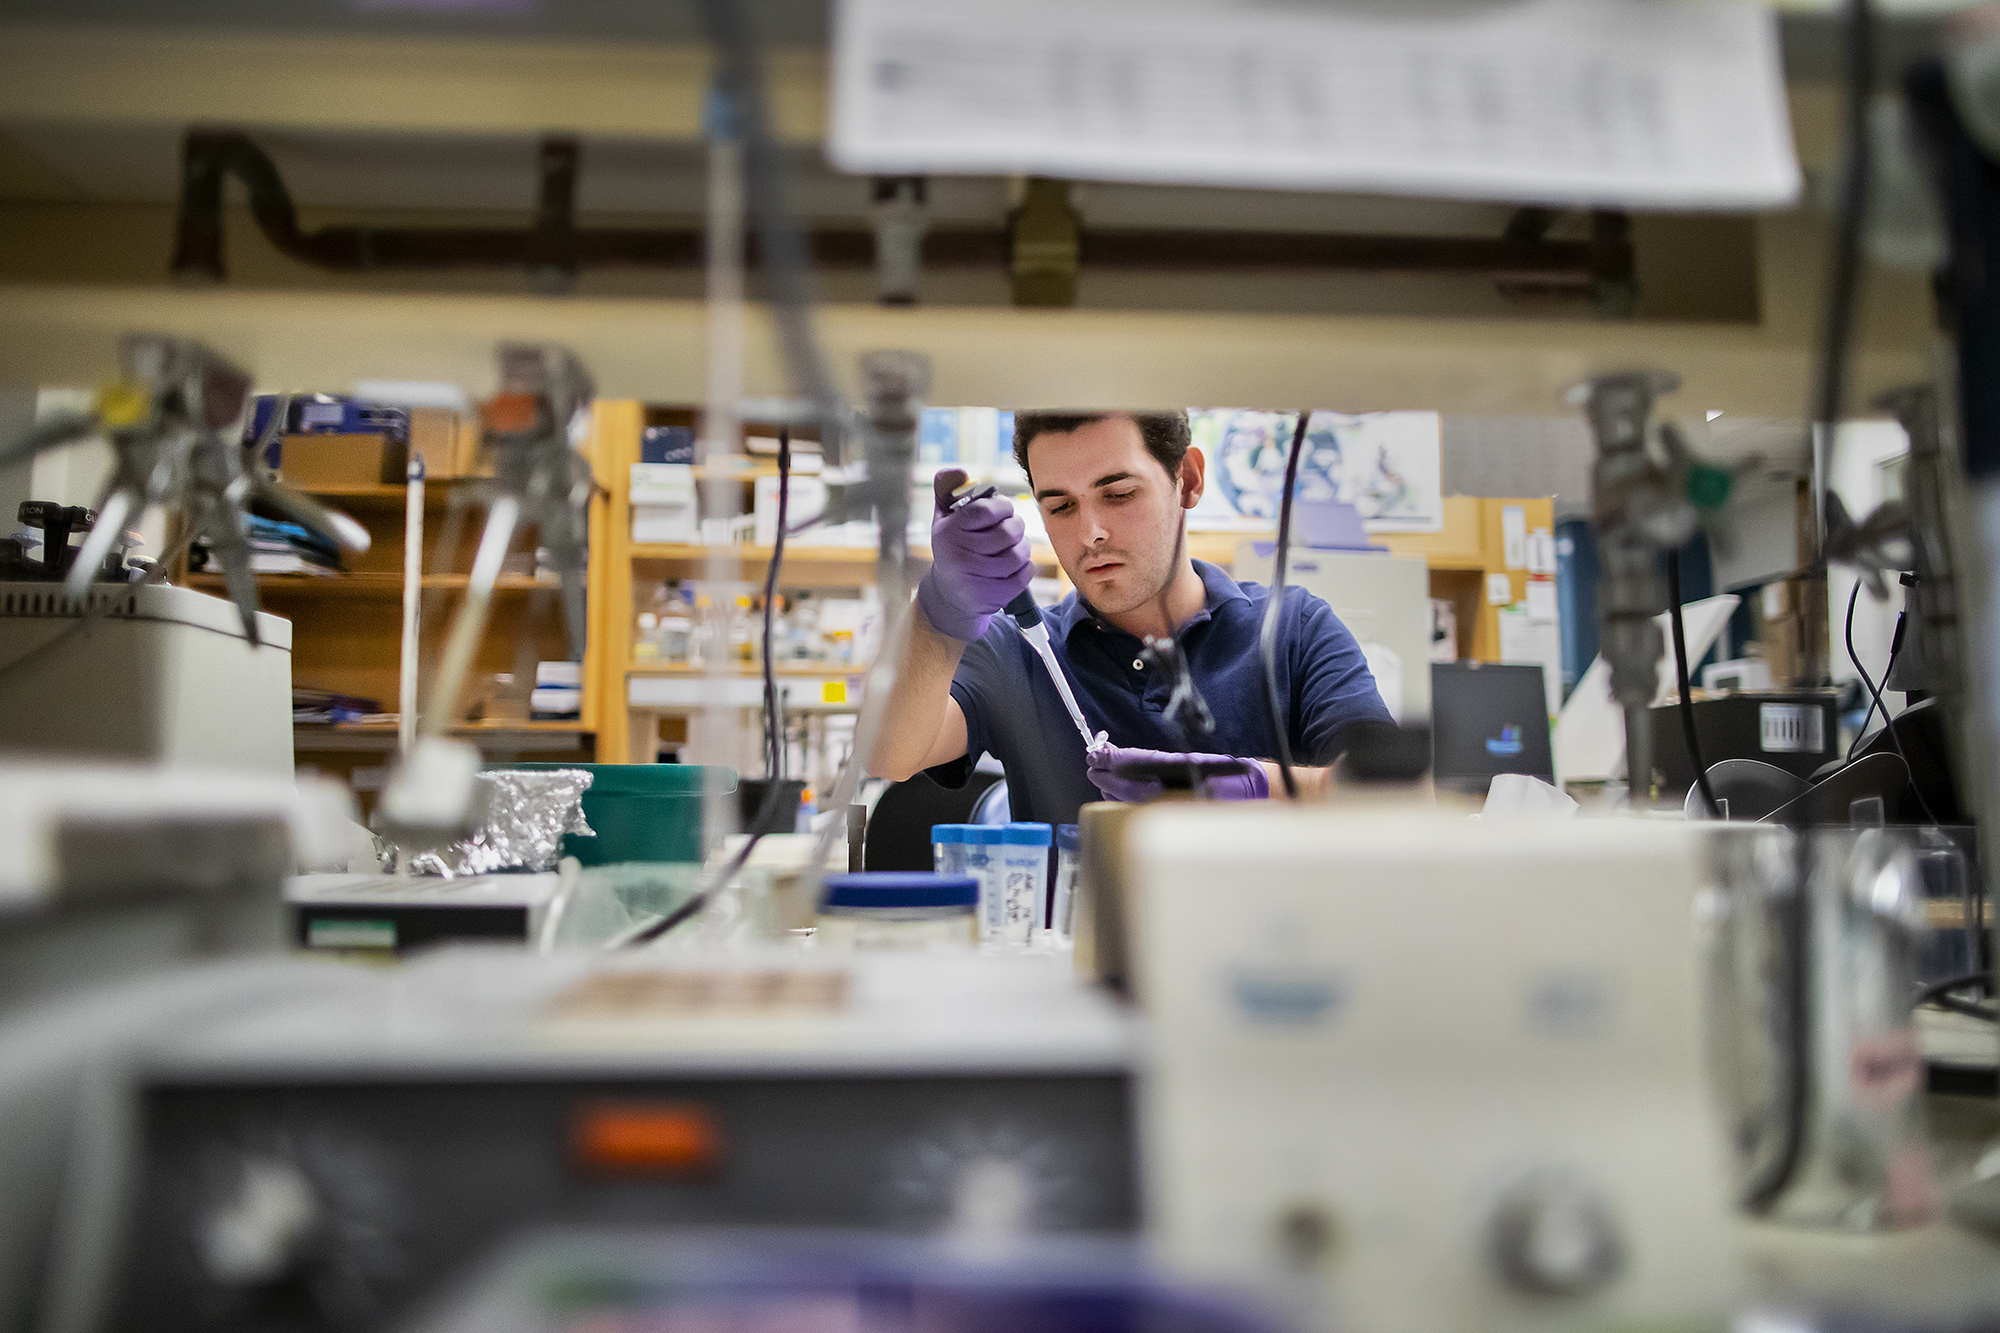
x=1643 y=507
x=167 y=420
x=541 y=479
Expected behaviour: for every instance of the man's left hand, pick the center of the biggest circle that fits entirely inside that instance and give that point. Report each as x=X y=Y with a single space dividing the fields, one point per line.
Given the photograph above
x=1103 y=762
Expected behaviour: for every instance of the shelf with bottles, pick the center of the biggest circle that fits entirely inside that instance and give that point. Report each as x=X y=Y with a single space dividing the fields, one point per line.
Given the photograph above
x=689 y=626
x=796 y=552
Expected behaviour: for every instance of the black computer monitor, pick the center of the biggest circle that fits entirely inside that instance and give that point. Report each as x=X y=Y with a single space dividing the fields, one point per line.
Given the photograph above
x=1488 y=718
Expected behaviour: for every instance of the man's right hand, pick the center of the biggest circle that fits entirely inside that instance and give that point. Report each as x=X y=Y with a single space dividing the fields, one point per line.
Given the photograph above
x=980 y=561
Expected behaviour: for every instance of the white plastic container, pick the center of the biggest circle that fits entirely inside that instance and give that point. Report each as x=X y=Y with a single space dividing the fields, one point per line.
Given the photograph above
x=1014 y=914
x=898 y=910
x=948 y=847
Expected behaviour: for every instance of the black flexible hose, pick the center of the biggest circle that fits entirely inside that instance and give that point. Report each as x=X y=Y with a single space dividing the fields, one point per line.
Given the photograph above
x=1687 y=697
x=1267 y=636
x=1861 y=732
x=1875 y=697
x=774 y=742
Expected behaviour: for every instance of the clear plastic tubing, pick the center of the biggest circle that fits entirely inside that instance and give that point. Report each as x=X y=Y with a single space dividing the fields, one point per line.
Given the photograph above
x=948 y=848
x=1062 y=911
x=1014 y=914
x=898 y=910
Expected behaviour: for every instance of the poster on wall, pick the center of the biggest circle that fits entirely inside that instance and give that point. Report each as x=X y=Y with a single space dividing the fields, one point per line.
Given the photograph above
x=1388 y=465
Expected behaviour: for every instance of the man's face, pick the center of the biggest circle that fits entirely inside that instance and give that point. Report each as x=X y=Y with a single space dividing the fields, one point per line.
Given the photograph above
x=1112 y=512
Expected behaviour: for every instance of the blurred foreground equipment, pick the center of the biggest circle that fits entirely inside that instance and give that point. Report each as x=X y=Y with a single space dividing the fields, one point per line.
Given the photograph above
x=168 y=421
x=1475 y=1100
x=144 y=672
x=325 y=1163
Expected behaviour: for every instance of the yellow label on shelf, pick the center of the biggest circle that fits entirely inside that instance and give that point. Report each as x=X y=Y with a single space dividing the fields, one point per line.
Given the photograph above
x=833 y=692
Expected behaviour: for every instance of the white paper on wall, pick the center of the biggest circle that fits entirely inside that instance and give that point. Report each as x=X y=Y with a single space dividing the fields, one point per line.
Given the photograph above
x=1607 y=102
x=1386 y=464
x=1533 y=642
x=1514 y=536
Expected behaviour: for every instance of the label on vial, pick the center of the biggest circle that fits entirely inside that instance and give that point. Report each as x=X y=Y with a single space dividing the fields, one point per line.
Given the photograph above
x=1018 y=905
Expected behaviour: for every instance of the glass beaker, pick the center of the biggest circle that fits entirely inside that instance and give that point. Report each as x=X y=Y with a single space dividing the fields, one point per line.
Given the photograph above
x=1812 y=942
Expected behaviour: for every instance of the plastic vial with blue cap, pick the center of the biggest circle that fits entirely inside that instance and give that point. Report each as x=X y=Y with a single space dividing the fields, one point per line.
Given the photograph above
x=1062 y=905
x=898 y=910
x=948 y=845
x=1014 y=914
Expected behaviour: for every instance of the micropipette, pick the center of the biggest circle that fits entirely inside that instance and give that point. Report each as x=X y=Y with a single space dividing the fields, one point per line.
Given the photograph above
x=1028 y=617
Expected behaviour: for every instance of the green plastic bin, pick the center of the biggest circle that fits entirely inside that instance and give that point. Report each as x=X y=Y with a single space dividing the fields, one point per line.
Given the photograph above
x=643 y=812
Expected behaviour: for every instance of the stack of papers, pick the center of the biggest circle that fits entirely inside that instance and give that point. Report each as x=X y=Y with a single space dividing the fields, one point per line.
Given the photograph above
x=288 y=548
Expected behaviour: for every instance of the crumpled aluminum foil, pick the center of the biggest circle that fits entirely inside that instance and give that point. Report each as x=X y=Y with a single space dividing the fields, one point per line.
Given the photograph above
x=527 y=814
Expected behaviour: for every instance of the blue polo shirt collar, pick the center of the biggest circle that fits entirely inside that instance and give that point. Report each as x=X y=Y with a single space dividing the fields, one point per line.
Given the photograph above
x=1218 y=587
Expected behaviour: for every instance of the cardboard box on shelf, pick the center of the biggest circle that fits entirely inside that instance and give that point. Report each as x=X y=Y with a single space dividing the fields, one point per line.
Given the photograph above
x=1783 y=642
x=472 y=460
x=434 y=433
x=311 y=461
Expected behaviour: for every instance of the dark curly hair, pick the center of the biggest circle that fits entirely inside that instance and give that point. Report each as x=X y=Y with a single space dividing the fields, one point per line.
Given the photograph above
x=1165 y=433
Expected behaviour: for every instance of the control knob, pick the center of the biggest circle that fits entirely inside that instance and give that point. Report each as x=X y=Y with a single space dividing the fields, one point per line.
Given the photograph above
x=1554 y=1236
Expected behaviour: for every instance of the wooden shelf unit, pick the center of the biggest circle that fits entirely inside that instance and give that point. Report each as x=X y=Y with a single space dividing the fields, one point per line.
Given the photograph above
x=347 y=628
x=1471 y=545
x=745 y=670
x=367 y=583
x=437 y=493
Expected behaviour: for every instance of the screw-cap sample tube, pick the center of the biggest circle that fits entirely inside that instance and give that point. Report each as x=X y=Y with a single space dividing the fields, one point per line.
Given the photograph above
x=1013 y=915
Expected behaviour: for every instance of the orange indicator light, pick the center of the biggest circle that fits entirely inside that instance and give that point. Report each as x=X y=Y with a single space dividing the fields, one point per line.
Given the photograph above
x=653 y=1137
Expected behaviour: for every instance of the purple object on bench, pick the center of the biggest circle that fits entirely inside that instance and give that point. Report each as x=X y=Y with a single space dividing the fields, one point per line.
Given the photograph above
x=1325 y=525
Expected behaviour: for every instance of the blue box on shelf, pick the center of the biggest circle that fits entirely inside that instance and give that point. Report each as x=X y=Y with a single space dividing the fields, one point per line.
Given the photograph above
x=666 y=444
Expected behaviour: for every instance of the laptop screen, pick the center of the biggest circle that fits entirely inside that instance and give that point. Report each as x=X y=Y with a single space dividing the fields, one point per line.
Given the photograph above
x=1488 y=718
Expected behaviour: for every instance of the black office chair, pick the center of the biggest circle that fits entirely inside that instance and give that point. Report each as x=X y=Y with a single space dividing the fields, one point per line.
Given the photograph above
x=899 y=832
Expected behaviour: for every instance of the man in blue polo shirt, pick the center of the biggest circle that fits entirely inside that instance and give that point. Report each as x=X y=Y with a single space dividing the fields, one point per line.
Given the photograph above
x=1112 y=488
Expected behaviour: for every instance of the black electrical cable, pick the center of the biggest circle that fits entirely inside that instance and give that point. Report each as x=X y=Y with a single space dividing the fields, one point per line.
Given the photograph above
x=1982 y=980
x=773 y=741
x=1875 y=694
x=1940 y=993
x=1951 y=1004
x=1687 y=696
x=1895 y=648
x=1267 y=634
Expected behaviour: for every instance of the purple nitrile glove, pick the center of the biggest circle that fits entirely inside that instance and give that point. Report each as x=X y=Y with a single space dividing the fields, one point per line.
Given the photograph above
x=1103 y=761
x=980 y=561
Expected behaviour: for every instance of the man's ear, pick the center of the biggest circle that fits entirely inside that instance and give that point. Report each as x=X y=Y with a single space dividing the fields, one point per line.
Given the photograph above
x=1194 y=477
